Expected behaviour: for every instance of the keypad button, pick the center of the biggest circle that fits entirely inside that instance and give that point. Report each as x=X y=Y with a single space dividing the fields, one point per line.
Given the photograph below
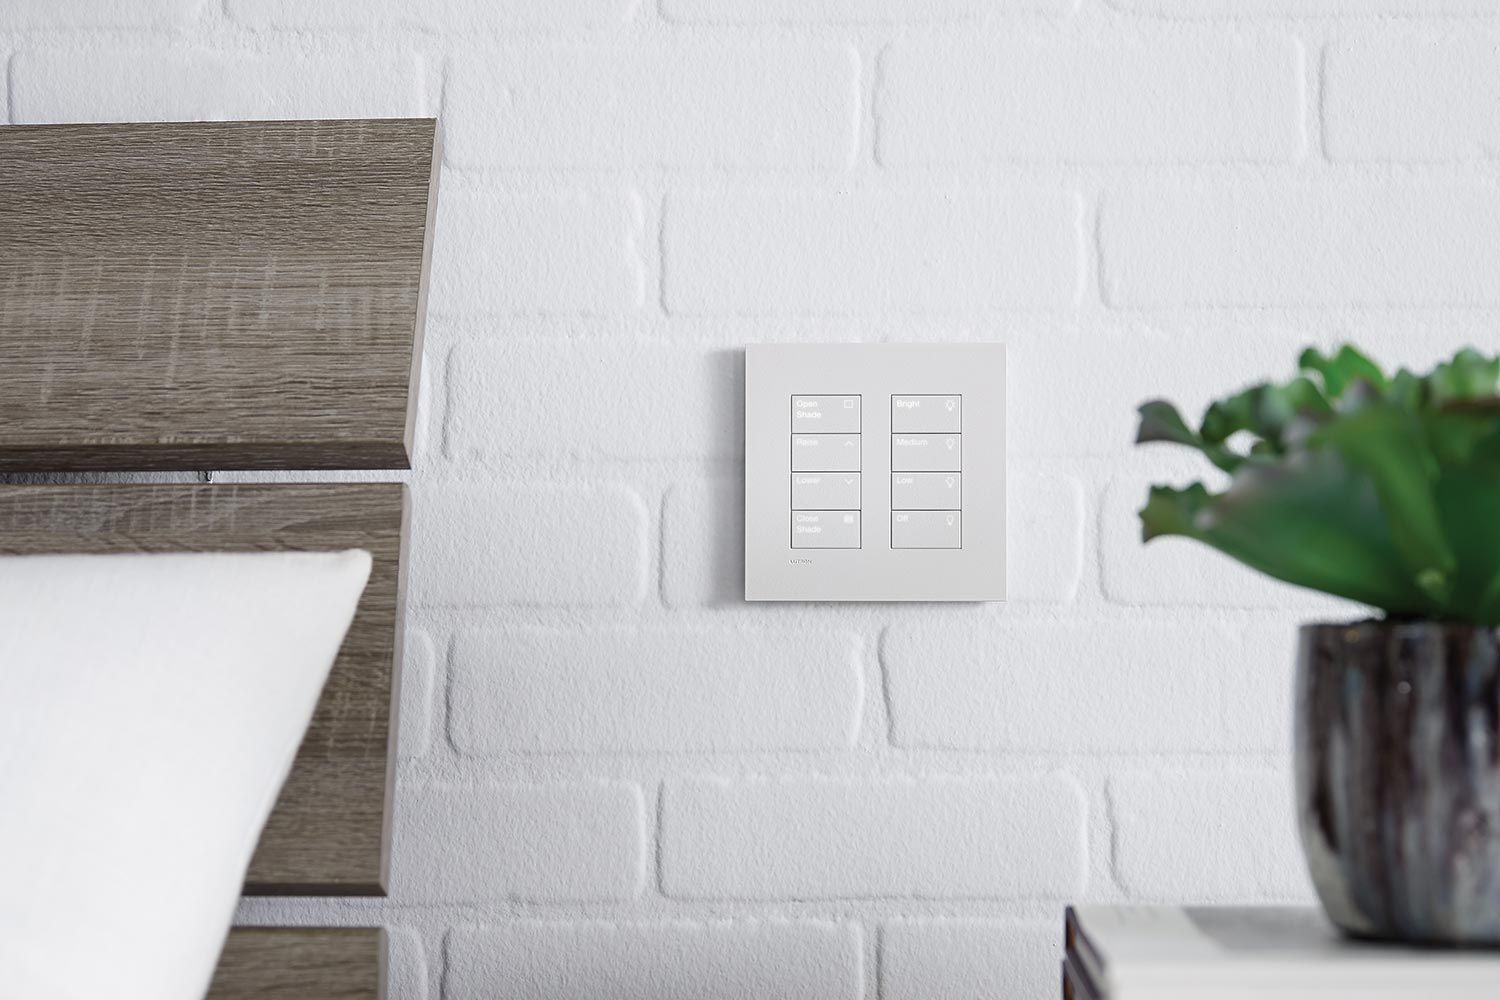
x=927 y=414
x=825 y=414
x=825 y=491
x=825 y=452
x=825 y=529
x=927 y=490
x=927 y=529
x=927 y=452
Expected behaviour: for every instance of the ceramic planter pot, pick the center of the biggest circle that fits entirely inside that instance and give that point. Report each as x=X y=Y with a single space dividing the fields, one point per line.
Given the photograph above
x=1398 y=778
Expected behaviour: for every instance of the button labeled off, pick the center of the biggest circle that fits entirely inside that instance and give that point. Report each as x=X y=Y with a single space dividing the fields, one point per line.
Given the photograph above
x=927 y=529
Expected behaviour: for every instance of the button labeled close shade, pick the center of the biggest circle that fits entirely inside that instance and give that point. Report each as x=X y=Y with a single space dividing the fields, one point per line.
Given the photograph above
x=825 y=414
x=926 y=490
x=927 y=529
x=825 y=529
x=825 y=491
x=825 y=452
x=927 y=414
x=927 y=452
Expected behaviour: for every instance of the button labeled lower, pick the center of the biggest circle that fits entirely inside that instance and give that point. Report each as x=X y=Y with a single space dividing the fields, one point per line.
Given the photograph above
x=825 y=529
x=825 y=452
x=927 y=490
x=825 y=491
x=927 y=414
x=927 y=452
x=825 y=414
x=927 y=529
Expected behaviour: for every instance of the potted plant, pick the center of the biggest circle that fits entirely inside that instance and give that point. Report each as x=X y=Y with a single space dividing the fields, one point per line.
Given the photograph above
x=1384 y=490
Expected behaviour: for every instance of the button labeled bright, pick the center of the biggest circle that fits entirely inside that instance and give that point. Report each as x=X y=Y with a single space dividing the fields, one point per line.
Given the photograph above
x=927 y=414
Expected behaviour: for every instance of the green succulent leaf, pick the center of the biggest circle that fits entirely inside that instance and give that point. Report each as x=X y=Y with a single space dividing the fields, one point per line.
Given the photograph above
x=1171 y=511
x=1386 y=444
x=1468 y=497
x=1342 y=370
x=1265 y=411
x=1469 y=376
x=1315 y=526
x=1160 y=421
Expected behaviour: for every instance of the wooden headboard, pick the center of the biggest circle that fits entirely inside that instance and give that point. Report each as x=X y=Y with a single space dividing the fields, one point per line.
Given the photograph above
x=217 y=296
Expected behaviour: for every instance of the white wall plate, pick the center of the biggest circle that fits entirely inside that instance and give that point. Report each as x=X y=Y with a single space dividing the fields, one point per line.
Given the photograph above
x=875 y=472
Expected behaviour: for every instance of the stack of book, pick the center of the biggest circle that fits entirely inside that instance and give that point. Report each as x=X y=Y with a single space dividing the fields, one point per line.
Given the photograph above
x=1240 y=953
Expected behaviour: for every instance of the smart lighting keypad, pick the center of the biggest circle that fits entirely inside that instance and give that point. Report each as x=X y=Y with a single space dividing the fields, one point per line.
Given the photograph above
x=875 y=472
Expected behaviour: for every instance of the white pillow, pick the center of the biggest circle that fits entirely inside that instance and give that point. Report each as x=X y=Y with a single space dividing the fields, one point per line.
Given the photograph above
x=150 y=708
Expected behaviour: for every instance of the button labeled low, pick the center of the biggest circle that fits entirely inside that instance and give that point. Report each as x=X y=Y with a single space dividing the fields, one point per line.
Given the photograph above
x=825 y=452
x=926 y=490
x=927 y=452
x=825 y=414
x=927 y=414
x=927 y=529
x=825 y=491
x=825 y=529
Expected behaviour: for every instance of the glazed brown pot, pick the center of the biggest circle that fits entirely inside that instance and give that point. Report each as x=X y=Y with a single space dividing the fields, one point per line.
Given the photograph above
x=1398 y=778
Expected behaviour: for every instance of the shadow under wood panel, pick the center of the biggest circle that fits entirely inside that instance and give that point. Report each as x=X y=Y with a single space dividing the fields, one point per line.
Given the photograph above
x=219 y=295
x=329 y=831
x=301 y=964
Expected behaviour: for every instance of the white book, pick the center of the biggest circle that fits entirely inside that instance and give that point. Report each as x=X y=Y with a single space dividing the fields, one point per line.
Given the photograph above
x=1252 y=953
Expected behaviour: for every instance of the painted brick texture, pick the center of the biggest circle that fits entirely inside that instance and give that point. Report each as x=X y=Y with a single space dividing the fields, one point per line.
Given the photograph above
x=861 y=252
x=723 y=960
x=624 y=692
x=935 y=838
x=1234 y=99
x=202 y=84
x=744 y=106
x=615 y=778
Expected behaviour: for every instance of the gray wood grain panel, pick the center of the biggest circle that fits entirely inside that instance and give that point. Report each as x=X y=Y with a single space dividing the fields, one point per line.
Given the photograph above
x=329 y=832
x=301 y=964
x=220 y=295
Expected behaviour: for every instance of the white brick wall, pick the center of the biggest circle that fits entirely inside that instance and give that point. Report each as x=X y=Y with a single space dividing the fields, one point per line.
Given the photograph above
x=937 y=837
x=594 y=400
x=615 y=777
x=971 y=959
x=949 y=100
x=1218 y=835
x=1093 y=686
x=680 y=104
x=528 y=545
x=759 y=252
x=539 y=843
x=616 y=691
x=1345 y=241
x=851 y=11
x=1413 y=97
x=450 y=15
x=661 y=961
x=93 y=14
x=562 y=252
x=150 y=83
